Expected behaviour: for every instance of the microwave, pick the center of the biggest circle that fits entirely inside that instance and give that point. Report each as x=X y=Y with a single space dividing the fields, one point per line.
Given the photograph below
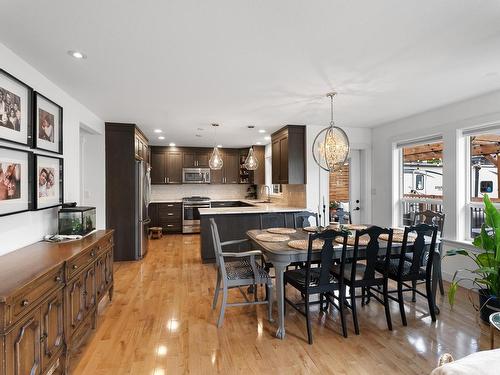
x=195 y=175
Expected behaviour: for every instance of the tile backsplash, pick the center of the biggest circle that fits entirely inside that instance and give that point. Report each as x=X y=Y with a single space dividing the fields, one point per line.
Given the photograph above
x=229 y=191
x=292 y=195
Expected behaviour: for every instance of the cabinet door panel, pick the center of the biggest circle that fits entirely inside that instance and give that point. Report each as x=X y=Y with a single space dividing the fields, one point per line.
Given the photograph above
x=90 y=288
x=189 y=159
x=76 y=297
x=283 y=161
x=275 y=159
x=100 y=276
x=158 y=168
x=202 y=158
x=174 y=167
x=108 y=262
x=52 y=327
x=23 y=347
x=231 y=167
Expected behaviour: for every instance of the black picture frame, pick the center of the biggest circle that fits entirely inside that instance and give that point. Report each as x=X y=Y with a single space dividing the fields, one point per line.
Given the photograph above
x=38 y=142
x=40 y=161
x=27 y=191
x=26 y=126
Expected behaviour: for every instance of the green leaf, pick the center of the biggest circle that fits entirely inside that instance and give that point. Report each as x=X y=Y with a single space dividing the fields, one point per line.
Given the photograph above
x=492 y=218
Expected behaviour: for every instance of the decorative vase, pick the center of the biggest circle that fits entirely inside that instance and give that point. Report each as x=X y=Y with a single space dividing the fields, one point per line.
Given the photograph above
x=488 y=305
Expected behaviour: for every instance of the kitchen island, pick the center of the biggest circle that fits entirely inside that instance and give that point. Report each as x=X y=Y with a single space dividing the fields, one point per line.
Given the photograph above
x=233 y=223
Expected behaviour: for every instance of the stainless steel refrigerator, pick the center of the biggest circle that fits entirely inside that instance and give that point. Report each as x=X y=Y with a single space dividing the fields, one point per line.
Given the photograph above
x=142 y=200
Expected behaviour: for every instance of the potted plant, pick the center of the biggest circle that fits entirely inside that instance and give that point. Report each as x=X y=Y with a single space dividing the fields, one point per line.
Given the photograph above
x=486 y=277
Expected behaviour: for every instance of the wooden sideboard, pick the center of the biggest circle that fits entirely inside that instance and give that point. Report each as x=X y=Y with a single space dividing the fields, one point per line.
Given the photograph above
x=49 y=294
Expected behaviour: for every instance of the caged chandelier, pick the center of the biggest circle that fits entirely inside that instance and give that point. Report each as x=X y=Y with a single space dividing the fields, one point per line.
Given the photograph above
x=331 y=145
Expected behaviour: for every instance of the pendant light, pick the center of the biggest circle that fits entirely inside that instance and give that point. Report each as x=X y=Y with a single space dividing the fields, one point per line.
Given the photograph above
x=251 y=162
x=331 y=145
x=215 y=161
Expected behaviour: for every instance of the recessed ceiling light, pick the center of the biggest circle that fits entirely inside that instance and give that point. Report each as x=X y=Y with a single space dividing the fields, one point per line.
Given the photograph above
x=198 y=135
x=158 y=130
x=258 y=143
x=200 y=129
x=262 y=131
x=77 y=55
x=161 y=137
x=171 y=144
x=267 y=137
x=219 y=146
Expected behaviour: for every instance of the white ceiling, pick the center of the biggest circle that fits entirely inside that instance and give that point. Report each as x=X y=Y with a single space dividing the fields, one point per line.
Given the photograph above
x=179 y=65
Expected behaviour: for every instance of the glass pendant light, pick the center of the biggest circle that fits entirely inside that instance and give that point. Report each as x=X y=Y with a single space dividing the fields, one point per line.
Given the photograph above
x=251 y=162
x=215 y=161
x=331 y=145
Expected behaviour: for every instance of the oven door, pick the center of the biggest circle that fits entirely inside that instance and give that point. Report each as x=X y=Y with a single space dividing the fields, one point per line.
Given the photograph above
x=191 y=217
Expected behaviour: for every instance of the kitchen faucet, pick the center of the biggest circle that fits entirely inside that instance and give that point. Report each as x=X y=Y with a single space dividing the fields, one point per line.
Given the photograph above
x=266 y=187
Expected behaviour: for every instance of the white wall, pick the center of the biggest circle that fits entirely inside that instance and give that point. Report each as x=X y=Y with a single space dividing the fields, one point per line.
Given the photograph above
x=25 y=228
x=448 y=122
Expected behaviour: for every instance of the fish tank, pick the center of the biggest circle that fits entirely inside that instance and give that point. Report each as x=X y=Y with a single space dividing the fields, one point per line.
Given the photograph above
x=76 y=220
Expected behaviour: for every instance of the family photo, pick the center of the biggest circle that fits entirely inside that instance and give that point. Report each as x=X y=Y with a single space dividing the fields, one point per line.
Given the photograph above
x=10 y=110
x=10 y=181
x=46 y=126
x=46 y=181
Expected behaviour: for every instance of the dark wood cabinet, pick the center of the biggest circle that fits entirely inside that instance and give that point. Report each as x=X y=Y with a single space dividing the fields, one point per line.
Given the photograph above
x=141 y=146
x=195 y=158
x=158 y=167
x=173 y=167
x=167 y=215
x=48 y=302
x=166 y=166
x=288 y=155
x=231 y=168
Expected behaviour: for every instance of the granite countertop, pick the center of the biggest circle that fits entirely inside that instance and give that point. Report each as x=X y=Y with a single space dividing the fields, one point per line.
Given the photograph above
x=256 y=208
x=166 y=201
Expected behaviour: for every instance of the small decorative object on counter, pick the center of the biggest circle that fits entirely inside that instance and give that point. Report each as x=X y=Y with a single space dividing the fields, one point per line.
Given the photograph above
x=76 y=220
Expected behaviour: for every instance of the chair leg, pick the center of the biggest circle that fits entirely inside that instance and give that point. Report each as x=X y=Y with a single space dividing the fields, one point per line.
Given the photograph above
x=342 y=309
x=386 y=304
x=401 y=303
x=413 y=293
x=430 y=297
x=440 y=276
x=269 y=288
x=363 y=296
x=352 y=291
x=308 y=321
x=217 y=288
x=321 y=299
x=223 y=307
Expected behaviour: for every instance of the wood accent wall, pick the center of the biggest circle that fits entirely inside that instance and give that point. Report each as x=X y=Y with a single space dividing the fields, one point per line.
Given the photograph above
x=339 y=185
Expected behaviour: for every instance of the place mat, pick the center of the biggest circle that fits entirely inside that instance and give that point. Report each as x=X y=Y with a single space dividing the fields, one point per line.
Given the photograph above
x=398 y=236
x=267 y=237
x=311 y=229
x=363 y=240
x=354 y=226
x=281 y=230
x=303 y=244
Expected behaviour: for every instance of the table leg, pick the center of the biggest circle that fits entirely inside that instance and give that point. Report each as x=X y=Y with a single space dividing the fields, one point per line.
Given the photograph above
x=492 y=336
x=279 y=269
x=436 y=267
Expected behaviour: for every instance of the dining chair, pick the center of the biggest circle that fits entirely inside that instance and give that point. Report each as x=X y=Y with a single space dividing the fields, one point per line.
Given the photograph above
x=356 y=274
x=303 y=219
x=403 y=270
x=431 y=218
x=271 y=220
x=238 y=273
x=313 y=281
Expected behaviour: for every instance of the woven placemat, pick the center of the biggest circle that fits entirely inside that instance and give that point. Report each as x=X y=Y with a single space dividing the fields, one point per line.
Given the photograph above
x=303 y=244
x=354 y=226
x=311 y=229
x=398 y=237
x=268 y=237
x=363 y=240
x=281 y=230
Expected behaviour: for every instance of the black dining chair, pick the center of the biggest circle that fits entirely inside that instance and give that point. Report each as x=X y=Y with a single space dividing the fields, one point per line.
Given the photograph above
x=404 y=271
x=313 y=281
x=303 y=219
x=356 y=274
x=437 y=219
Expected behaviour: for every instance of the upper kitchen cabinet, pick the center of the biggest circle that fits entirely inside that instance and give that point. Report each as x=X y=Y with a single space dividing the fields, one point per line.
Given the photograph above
x=231 y=168
x=141 y=146
x=196 y=158
x=166 y=165
x=288 y=155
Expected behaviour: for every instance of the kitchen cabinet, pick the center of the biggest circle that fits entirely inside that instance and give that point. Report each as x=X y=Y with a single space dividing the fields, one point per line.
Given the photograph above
x=173 y=167
x=195 y=158
x=52 y=328
x=166 y=166
x=166 y=215
x=158 y=167
x=141 y=146
x=288 y=155
x=231 y=168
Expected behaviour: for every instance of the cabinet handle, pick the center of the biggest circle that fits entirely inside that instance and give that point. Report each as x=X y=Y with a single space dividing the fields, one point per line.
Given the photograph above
x=168 y=180
x=74 y=266
x=170 y=214
x=43 y=337
x=170 y=225
x=58 y=278
x=92 y=254
x=165 y=179
x=170 y=205
x=25 y=302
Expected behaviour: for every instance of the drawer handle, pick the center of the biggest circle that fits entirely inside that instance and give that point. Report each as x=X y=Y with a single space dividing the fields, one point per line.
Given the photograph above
x=170 y=205
x=170 y=225
x=92 y=254
x=74 y=266
x=58 y=278
x=170 y=214
x=25 y=302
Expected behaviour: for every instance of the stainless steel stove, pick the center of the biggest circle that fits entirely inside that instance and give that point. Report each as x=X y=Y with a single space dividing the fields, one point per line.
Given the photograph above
x=190 y=213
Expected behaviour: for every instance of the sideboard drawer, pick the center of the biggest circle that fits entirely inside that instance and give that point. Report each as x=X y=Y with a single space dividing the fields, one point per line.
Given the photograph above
x=79 y=263
x=26 y=297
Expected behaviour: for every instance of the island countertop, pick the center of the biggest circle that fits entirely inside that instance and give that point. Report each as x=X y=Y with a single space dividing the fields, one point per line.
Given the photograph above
x=257 y=207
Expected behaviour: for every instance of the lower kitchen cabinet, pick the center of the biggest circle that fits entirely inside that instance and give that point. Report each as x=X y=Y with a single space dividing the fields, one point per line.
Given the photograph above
x=167 y=215
x=44 y=319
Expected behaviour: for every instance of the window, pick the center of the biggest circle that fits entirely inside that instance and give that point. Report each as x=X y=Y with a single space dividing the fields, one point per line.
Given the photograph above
x=421 y=178
x=484 y=151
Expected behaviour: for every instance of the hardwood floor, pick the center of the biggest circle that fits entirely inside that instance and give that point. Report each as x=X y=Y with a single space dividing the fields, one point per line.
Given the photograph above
x=160 y=322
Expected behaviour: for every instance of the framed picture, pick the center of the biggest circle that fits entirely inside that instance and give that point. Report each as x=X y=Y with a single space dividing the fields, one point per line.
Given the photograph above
x=47 y=132
x=15 y=110
x=48 y=178
x=16 y=181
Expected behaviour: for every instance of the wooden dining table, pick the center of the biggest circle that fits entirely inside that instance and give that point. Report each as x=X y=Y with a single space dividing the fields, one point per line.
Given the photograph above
x=281 y=255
